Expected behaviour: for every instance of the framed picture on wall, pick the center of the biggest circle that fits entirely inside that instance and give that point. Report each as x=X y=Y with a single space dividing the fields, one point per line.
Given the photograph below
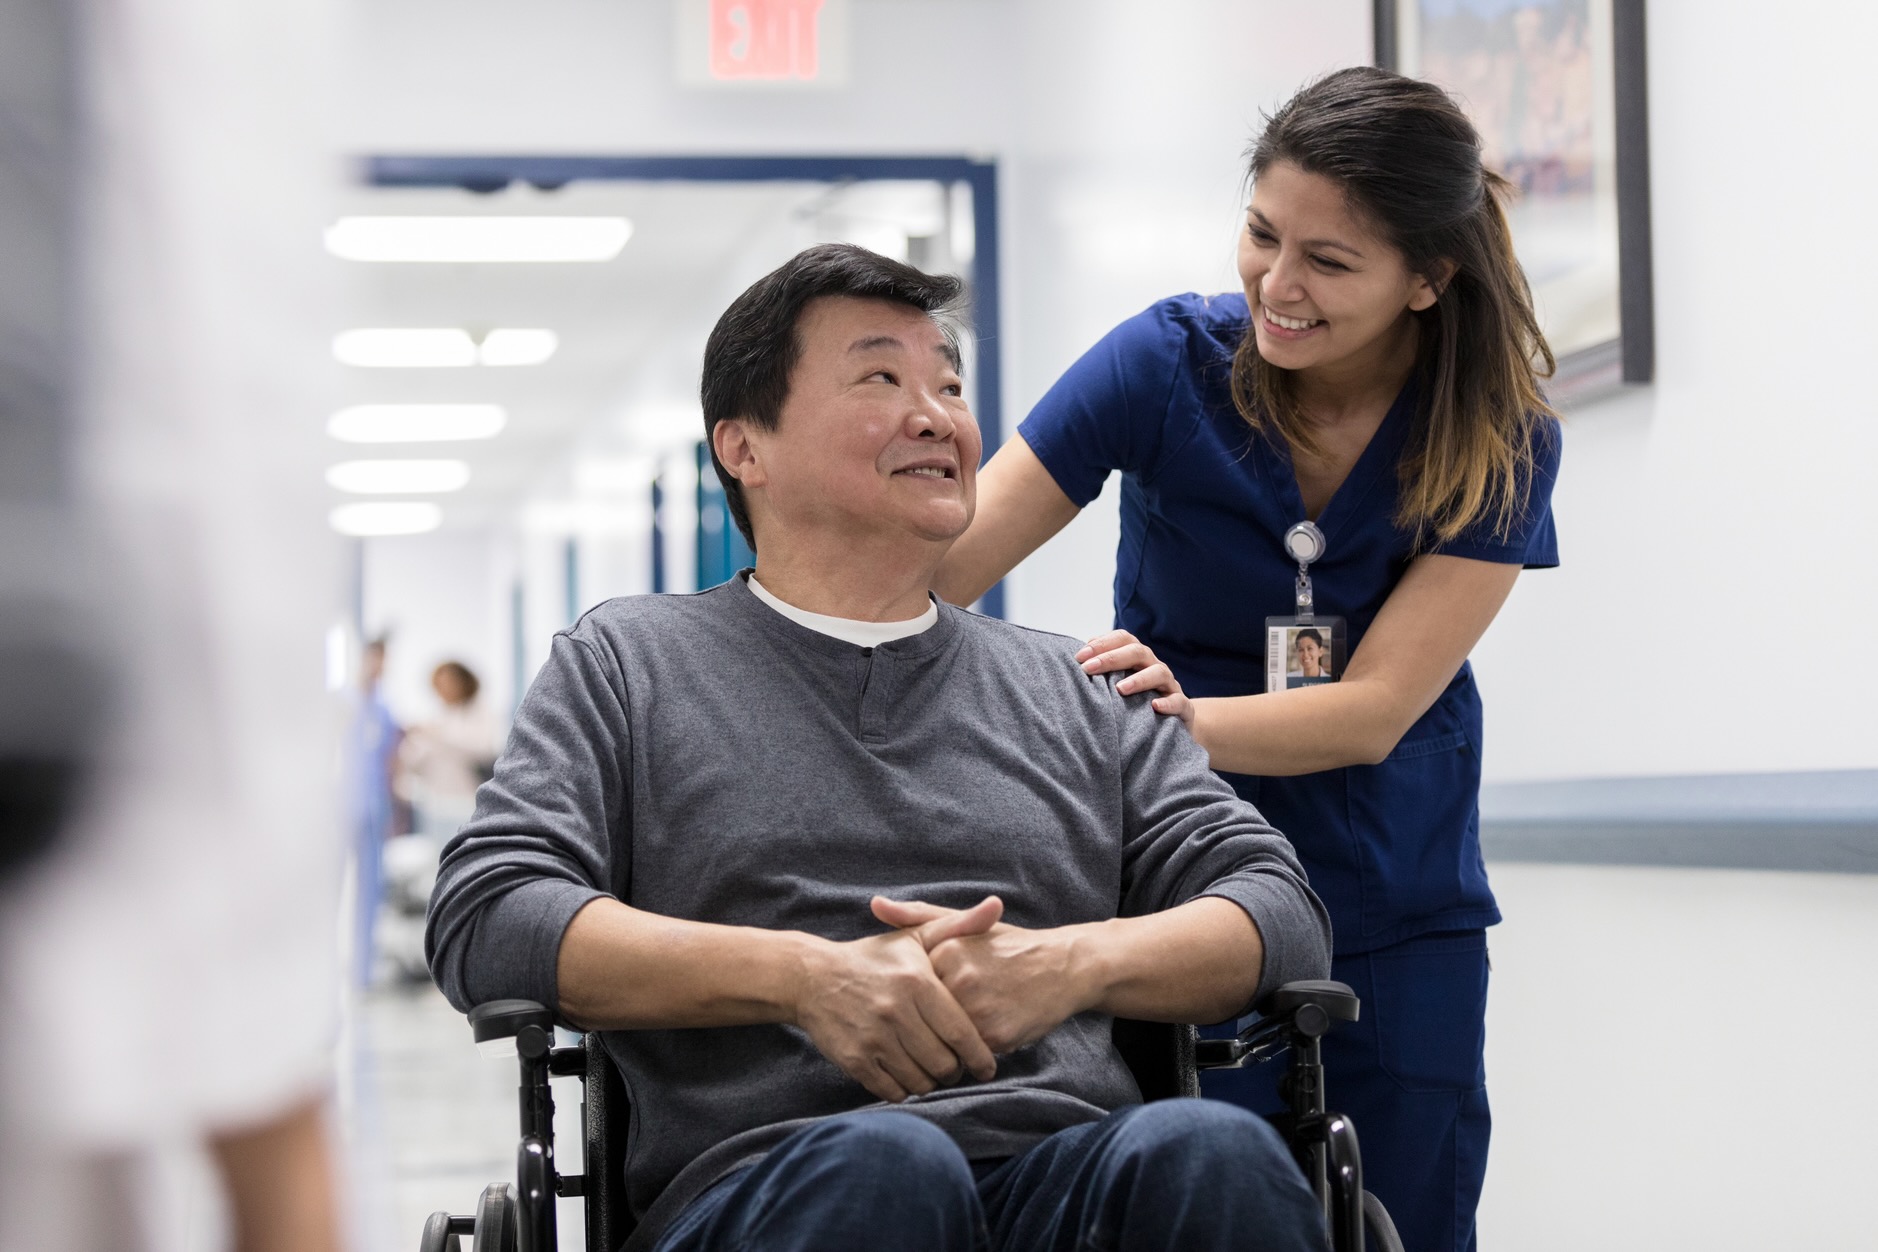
x=1557 y=90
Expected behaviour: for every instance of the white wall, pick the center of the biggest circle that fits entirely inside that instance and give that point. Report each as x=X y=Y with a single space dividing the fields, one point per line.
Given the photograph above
x=1125 y=180
x=1681 y=1059
x=1718 y=530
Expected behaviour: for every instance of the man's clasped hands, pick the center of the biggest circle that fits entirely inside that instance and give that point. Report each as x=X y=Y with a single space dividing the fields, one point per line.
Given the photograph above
x=919 y=1006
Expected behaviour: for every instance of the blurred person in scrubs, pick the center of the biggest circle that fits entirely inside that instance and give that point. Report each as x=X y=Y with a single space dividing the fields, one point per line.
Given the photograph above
x=168 y=964
x=1378 y=378
x=373 y=752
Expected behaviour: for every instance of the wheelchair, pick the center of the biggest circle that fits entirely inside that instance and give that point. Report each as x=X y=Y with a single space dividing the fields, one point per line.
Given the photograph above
x=1166 y=1061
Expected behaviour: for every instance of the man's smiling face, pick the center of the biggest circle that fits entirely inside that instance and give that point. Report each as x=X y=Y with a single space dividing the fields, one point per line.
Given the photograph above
x=874 y=438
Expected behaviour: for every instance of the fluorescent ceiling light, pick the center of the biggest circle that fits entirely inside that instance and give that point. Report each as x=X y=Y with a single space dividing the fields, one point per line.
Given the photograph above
x=403 y=517
x=517 y=347
x=478 y=239
x=398 y=478
x=404 y=349
x=416 y=423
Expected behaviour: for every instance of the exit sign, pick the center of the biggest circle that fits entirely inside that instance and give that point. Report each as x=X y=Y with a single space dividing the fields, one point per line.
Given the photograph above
x=763 y=43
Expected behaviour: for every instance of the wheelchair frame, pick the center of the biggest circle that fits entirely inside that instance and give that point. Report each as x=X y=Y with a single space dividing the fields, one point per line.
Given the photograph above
x=1165 y=1059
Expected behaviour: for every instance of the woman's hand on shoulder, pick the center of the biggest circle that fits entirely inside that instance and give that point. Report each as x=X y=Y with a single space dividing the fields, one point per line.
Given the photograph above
x=1119 y=650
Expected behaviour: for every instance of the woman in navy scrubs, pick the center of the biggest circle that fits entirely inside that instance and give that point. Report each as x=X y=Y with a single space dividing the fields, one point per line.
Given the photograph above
x=1378 y=377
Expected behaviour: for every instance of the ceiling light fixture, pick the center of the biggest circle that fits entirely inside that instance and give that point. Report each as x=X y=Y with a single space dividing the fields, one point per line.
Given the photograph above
x=416 y=423
x=401 y=517
x=404 y=349
x=411 y=348
x=517 y=347
x=478 y=239
x=398 y=478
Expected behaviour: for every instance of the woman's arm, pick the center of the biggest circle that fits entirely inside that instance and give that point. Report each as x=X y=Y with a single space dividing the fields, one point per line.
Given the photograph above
x=1426 y=628
x=1019 y=507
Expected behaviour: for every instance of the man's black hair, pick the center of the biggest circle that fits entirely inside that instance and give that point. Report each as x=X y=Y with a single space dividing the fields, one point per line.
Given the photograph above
x=754 y=347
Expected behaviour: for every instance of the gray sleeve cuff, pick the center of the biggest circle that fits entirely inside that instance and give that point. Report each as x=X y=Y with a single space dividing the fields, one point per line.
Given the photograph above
x=515 y=949
x=1294 y=934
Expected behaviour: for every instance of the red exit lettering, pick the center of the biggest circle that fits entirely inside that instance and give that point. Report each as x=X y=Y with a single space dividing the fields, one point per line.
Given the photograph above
x=765 y=38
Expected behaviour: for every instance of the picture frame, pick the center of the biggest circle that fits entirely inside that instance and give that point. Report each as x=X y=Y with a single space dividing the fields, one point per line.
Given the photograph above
x=1558 y=90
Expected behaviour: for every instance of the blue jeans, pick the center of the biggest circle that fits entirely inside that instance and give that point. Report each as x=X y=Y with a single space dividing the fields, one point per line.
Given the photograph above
x=1192 y=1175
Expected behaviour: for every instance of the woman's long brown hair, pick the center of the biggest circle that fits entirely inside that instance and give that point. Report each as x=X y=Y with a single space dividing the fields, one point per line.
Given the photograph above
x=1410 y=162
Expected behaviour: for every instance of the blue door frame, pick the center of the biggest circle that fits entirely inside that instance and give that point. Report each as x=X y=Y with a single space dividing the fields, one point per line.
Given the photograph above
x=492 y=173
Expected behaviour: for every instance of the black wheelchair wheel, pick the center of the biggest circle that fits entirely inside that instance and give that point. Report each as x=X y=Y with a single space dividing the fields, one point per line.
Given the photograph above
x=437 y=1236
x=1382 y=1235
x=497 y=1226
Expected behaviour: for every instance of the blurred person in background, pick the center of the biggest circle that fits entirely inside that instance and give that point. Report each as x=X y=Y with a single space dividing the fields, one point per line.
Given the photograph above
x=441 y=762
x=373 y=755
x=1378 y=377
x=445 y=758
x=168 y=961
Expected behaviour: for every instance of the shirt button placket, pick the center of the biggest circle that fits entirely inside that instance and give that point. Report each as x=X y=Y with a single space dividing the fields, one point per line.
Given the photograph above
x=873 y=698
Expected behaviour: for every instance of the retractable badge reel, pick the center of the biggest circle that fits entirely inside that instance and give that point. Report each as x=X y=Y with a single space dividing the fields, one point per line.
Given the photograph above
x=1303 y=650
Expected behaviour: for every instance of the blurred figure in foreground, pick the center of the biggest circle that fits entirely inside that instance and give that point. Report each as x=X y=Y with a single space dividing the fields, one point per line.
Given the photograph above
x=167 y=961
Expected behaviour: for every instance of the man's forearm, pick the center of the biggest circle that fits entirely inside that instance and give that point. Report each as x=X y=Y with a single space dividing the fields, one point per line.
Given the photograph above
x=621 y=968
x=1199 y=962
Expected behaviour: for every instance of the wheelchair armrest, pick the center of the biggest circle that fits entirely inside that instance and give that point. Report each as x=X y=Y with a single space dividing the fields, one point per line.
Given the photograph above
x=496 y=1024
x=1338 y=1002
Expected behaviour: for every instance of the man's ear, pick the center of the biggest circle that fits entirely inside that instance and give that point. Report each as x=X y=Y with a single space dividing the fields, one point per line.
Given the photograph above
x=730 y=440
x=1428 y=287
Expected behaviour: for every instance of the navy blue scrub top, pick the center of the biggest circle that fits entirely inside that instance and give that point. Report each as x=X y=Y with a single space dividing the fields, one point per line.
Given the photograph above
x=1393 y=849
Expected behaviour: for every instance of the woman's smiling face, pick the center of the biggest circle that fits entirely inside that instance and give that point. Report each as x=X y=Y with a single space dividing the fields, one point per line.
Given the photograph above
x=1323 y=286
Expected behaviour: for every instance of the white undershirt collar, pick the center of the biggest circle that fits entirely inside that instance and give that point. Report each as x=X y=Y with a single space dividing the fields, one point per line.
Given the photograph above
x=849 y=630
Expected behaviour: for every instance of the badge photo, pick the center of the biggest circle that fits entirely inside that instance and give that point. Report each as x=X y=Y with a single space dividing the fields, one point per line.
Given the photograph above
x=1303 y=652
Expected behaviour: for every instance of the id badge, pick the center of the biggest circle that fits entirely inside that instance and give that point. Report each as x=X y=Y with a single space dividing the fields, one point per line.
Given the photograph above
x=1305 y=649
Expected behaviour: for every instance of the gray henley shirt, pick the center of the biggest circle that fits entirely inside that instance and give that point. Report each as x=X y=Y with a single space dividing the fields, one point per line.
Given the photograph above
x=704 y=757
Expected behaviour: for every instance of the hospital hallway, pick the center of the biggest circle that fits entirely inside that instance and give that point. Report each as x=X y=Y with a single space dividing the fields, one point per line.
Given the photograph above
x=373 y=380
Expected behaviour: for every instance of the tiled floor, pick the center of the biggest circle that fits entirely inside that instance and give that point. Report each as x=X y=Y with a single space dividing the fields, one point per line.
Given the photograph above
x=429 y=1123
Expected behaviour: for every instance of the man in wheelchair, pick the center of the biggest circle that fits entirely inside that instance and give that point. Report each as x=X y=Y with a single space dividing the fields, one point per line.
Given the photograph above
x=855 y=881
